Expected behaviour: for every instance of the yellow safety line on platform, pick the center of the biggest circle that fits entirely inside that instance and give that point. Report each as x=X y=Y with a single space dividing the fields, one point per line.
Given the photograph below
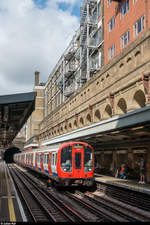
x=0 y=181
x=10 y=202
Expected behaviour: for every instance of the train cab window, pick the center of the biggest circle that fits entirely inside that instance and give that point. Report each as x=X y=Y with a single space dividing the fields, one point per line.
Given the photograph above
x=88 y=159
x=66 y=159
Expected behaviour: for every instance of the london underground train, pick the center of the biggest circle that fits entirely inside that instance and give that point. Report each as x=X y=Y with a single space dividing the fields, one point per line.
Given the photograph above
x=64 y=164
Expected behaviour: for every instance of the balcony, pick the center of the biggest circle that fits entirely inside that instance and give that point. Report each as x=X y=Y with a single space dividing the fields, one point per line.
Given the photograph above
x=92 y=20
x=69 y=90
x=95 y=64
x=70 y=53
x=77 y=54
x=69 y=69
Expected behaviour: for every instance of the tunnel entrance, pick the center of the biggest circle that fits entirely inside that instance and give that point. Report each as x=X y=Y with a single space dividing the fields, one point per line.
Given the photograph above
x=8 y=154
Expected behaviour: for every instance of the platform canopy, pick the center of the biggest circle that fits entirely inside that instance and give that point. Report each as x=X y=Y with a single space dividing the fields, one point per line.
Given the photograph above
x=129 y=129
x=15 y=109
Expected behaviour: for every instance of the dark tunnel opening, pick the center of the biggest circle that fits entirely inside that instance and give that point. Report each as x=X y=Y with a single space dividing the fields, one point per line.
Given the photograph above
x=8 y=154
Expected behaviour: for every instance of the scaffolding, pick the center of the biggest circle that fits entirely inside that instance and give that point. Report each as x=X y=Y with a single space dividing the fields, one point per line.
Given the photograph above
x=80 y=60
x=88 y=23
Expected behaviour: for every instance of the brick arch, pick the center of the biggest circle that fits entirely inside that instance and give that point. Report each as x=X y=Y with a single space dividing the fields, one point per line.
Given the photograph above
x=75 y=124
x=70 y=126
x=108 y=111
x=65 y=127
x=88 y=118
x=139 y=98
x=81 y=122
x=121 y=106
x=97 y=115
x=61 y=129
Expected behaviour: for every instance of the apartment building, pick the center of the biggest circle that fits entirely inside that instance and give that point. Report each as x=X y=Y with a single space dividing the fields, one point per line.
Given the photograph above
x=81 y=59
x=107 y=28
x=124 y=22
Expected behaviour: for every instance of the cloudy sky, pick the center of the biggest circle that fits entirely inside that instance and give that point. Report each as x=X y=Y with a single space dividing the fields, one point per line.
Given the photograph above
x=33 y=36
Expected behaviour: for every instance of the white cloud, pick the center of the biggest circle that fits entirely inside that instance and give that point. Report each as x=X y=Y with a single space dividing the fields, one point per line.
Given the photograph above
x=31 y=39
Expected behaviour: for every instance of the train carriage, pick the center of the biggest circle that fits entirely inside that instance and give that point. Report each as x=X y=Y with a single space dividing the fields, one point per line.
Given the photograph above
x=64 y=164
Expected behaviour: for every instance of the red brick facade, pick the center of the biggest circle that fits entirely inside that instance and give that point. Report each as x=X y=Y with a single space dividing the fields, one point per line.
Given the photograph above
x=132 y=11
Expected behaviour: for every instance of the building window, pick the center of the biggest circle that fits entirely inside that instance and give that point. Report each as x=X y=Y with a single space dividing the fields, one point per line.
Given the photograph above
x=134 y=1
x=139 y=26
x=125 y=39
x=109 y=2
x=111 y=23
x=124 y=8
x=111 y=52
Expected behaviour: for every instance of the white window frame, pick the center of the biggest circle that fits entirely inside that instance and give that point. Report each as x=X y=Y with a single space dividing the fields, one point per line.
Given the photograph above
x=124 y=8
x=111 y=51
x=111 y=24
x=135 y=1
x=125 y=39
x=139 y=26
x=109 y=2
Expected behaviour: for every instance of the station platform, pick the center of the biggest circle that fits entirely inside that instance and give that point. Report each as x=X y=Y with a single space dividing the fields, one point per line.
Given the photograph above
x=11 y=209
x=124 y=183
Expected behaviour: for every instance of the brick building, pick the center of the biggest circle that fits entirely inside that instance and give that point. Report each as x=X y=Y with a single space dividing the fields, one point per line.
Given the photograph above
x=124 y=22
x=93 y=81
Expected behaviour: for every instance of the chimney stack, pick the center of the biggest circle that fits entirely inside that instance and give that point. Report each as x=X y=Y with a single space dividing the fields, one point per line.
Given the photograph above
x=36 y=78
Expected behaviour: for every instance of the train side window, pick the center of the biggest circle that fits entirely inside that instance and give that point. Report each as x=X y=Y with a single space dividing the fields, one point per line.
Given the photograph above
x=44 y=156
x=55 y=158
x=88 y=159
x=47 y=158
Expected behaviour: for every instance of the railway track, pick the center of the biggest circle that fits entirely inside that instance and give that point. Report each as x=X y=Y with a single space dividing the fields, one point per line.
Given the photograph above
x=40 y=206
x=133 y=198
x=78 y=206
x=125 y=211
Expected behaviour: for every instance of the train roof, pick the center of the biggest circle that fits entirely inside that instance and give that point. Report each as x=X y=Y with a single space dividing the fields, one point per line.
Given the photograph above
x=51 y=148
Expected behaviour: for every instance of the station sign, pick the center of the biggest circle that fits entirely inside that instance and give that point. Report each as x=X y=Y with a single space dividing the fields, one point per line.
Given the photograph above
x=108 y=152
x=121 y=151
x=139 y=151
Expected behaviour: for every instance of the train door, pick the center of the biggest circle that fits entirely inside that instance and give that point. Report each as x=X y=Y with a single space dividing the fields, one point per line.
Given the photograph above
x=49 y=163
x=25 y=159
x=54 y=163
x=31 y=160
x=36 y=158
x=41 y=162
x=77 y=155
x=45 y=162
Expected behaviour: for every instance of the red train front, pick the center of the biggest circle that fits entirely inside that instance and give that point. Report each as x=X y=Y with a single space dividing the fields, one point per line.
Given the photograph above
x=70 y=163
x=76 y=163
